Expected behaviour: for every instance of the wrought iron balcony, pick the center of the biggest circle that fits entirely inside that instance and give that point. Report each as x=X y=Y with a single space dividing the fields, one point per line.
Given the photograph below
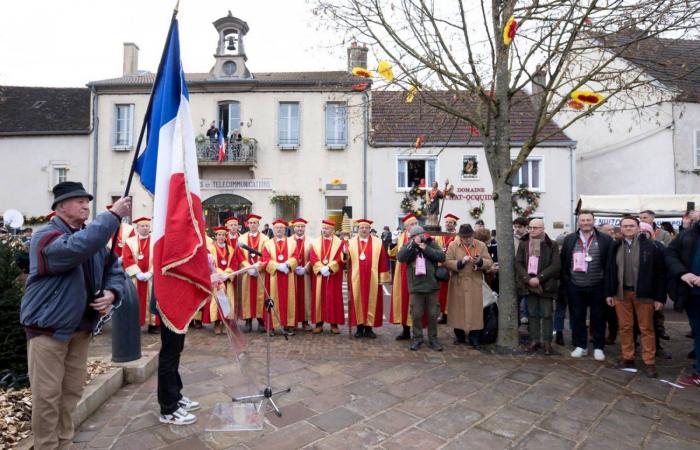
x=236 y=153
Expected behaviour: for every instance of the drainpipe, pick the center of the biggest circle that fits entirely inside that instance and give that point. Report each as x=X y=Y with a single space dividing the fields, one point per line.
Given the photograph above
x=364 y=156
x=572 y=187
x=94 y=131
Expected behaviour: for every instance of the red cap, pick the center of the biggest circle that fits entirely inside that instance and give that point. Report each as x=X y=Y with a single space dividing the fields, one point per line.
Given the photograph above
x=142 y=219
x=367 y=221
x=253 y=217
x=451 y=216
x=298 y=220
x=408 y=217
x=279 y=222
x=219 y=230
x=231 y=219
x=328 y=222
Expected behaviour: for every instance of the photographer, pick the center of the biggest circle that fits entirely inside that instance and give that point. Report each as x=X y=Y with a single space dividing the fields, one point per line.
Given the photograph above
x=422 y=254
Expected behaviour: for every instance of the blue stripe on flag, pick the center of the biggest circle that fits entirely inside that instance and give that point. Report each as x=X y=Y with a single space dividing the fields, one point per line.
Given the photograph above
x=170 y=85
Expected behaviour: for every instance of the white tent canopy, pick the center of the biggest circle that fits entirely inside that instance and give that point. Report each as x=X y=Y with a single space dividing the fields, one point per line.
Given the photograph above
x=614 y=205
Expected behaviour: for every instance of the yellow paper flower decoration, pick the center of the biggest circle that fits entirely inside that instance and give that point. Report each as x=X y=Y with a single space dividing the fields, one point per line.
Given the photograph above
x=362 y=72
x=587 y=97
x=509 y=31
x=411 y=93
x=384 y=69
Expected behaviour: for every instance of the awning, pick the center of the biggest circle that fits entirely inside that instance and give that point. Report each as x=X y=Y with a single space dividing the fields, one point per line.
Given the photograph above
x=662 y=205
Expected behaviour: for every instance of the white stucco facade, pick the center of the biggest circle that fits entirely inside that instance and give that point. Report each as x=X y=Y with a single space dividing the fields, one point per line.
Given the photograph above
x=32 y=165
x=553 y=173
x=305 y=171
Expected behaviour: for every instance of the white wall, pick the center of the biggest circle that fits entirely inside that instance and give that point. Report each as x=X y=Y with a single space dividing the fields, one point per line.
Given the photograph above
x=555 y=200
x=303 y=172
x=27 y=170
x=687 y=123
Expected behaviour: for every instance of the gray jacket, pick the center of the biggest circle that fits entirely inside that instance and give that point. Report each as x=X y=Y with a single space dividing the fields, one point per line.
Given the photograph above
x=56 y=294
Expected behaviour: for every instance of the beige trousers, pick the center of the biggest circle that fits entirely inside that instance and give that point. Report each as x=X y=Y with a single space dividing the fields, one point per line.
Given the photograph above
x=57 y=372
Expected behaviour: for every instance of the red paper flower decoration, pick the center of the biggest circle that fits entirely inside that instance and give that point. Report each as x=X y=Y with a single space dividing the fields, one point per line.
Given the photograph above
x=360 y=86
x=361 y=72
x=474 y=132
x=419 y=141
x=509 y=30
x=575 y=104
x=588 y=97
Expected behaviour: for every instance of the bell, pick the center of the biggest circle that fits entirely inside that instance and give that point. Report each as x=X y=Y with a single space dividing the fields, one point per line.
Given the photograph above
x=231 y=43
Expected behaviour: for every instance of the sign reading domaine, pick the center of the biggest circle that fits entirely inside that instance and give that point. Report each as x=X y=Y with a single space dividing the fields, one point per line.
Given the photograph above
x=250 y=185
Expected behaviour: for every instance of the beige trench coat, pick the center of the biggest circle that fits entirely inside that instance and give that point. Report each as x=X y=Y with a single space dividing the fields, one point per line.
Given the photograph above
x=465 y=300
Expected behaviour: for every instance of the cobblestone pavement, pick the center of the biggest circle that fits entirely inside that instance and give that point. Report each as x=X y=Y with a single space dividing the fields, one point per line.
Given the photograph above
x=353 y=394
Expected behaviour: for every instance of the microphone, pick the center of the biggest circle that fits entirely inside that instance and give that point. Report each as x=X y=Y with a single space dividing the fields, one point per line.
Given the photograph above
x=250 y=250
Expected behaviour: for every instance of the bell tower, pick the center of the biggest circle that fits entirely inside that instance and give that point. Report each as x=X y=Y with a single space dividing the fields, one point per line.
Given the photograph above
x=230 y=53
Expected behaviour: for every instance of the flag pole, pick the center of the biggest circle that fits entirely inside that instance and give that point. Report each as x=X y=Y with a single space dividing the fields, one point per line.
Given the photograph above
x=110 y=257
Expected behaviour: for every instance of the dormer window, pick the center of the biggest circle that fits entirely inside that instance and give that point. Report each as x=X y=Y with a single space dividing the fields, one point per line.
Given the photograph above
x=230 y=68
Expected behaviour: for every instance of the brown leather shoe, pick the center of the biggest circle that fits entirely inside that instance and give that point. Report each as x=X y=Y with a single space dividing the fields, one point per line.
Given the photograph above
x=650 y=371
x=533 y=347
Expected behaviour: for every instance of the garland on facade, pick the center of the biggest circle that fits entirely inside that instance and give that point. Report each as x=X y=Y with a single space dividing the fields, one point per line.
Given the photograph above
x=477 y=211
x=532 y=200
x=286 y=200
x=36 y=220
x=414 y=202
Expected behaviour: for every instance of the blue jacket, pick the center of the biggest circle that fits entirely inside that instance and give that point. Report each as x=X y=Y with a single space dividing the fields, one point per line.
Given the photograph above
x=56 y=293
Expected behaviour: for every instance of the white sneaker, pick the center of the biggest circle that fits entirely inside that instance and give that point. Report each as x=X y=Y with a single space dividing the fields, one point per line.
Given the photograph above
x=598 y=355
x=179 y=417
x=188 y=405
x=579 y=352
x=524 y=320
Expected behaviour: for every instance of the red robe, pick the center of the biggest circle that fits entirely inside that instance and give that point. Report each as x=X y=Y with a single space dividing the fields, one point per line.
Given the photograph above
x=400 y=300
x=133 y=247
x=252 y=288
x=231 y=258
x=444 y=241
x=366 y=296
x=302 y=288
x=281 y=285
x=327 y=292
x=126 y=231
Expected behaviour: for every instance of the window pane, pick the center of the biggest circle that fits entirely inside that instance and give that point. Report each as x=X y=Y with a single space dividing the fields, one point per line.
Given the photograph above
x=525 y=174
x=430 y=175
x=416 y=172
x=535 y=165
x=289 y=123
x=287 y=211
x=336 y=124
x=402 y=173
x=234 y=117
x=223 y=120
x=122 y=125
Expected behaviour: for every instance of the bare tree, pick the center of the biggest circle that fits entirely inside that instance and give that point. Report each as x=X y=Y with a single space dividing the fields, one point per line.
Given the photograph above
x=560 y=47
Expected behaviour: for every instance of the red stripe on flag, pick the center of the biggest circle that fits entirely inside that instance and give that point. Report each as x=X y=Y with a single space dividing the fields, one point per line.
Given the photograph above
x=181 y=270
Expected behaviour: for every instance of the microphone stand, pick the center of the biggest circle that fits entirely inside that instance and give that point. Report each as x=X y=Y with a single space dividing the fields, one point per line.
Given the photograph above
x=267 y=394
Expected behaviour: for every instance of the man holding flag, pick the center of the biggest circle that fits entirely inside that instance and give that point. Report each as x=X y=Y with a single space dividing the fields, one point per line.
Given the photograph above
x=182 y=274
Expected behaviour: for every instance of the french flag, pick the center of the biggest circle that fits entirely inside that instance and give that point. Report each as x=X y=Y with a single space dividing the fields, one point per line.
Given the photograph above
x=222 y=146
x=168 y=170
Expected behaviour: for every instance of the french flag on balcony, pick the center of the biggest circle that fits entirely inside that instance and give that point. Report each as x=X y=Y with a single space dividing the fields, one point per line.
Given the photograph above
x=168 y=170
x=222 y=146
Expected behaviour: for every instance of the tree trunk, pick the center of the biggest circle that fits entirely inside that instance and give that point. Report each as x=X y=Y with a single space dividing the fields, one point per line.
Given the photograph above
x=507 y=295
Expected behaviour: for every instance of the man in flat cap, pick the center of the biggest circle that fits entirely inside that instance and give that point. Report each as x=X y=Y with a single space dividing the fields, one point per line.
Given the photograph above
x=61 y=306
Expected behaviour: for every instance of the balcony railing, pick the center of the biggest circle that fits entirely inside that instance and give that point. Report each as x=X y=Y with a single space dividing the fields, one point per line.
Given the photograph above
x=243 y=153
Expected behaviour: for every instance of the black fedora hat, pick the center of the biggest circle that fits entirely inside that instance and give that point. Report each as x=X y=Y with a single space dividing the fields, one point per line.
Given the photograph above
x=68 y=189
x=466 y=230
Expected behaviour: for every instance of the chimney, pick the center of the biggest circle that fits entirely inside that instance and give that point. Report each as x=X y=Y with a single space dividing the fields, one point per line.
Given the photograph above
x=357 y=56
x=539 y=79
x=131 y=59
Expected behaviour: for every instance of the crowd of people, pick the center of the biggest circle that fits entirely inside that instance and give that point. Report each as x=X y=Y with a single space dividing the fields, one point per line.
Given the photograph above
x=614 y=279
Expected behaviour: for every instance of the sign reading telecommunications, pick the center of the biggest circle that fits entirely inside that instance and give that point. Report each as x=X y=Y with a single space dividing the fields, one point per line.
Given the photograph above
x=262 y=184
